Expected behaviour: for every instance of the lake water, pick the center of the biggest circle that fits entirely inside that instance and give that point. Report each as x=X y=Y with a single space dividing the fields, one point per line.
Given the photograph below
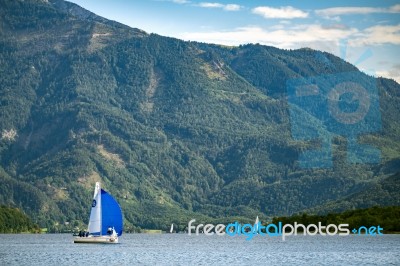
x=181 y=249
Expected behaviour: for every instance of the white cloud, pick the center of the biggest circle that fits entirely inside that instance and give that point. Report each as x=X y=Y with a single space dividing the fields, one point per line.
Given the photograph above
x=378 y=35
x=181 y=1
x=232 y=7
x=285 y=12
x=175 y=1
x=211 y=5
x=292 y=37
x=304 y=35
x=227 y=7
x=395 y=9
x=337 y=11
x=391 y=73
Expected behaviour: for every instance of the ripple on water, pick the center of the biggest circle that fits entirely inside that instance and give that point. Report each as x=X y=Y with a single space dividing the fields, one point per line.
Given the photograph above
x=181 y=249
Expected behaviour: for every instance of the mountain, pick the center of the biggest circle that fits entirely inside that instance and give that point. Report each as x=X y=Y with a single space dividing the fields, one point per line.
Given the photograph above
x=383 y=193
x=175 y=129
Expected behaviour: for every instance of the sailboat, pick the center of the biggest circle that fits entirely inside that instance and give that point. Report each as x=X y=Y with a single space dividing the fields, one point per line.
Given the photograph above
x=105 y=223
x=256 y=225
x=171 y=230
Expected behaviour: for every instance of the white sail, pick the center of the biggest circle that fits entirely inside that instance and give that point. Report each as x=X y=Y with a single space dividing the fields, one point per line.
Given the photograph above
x=172 y=228
x=255 y=228
x=95 y=213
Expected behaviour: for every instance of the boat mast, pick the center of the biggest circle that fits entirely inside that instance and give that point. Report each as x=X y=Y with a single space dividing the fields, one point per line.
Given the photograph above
x=98 y=189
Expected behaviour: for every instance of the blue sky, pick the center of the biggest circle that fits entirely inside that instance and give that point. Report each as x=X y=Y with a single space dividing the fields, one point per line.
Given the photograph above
x=365 y=33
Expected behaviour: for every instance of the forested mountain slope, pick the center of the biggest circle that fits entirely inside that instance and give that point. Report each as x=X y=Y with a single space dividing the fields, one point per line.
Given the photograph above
x=174 y=129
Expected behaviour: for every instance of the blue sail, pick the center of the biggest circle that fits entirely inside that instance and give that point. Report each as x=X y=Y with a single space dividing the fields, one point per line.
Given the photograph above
x=111 y=215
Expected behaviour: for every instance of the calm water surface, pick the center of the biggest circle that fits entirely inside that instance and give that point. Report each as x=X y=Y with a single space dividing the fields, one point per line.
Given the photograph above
x=181 y=249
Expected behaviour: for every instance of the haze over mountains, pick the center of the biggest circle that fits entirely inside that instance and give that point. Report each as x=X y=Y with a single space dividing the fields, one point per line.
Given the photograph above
x=174 y=129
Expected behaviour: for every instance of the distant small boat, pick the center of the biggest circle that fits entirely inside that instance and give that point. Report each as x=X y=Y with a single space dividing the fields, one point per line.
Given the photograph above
x=172 y=228
x=255 y=228
x=105 y=223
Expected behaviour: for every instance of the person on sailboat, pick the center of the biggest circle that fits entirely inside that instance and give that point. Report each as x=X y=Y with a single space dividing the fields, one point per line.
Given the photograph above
x=109 y=231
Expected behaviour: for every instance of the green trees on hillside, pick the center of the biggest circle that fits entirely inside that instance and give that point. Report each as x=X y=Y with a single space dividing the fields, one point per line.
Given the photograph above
x=386 y=217
x=12 y=220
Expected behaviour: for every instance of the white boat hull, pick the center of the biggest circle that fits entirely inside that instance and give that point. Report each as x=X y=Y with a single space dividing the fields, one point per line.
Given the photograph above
x=96 y=239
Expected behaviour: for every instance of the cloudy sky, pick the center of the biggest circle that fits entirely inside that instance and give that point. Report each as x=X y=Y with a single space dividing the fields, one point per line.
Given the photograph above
x=365 y=33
